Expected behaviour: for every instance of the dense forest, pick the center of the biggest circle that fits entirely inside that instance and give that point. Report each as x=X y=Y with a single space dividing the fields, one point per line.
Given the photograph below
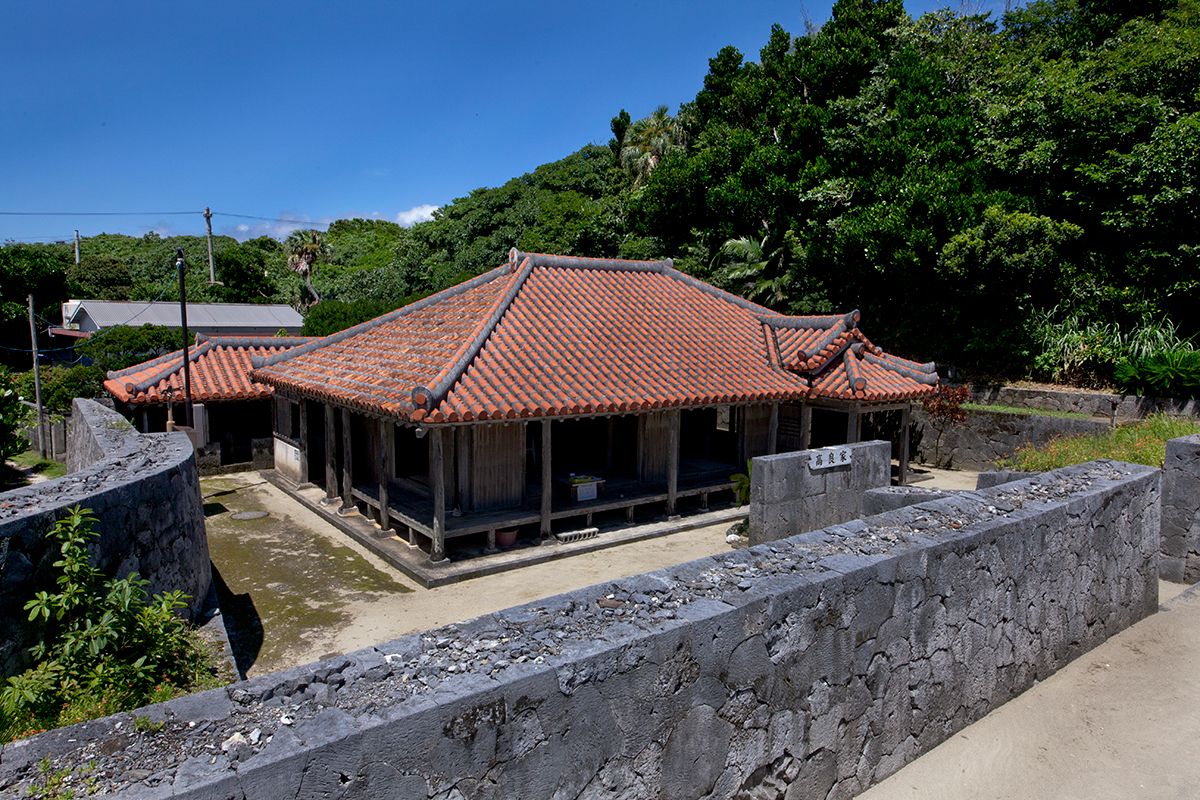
x=1014 y=196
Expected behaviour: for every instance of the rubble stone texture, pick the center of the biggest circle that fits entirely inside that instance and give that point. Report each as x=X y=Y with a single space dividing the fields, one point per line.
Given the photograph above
x=145 y=493
x=808 y=667
x=1180 y=558
x=990 y=435
x=788 y=497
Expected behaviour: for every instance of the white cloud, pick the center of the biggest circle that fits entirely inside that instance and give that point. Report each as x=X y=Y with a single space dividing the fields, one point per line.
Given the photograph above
x=422 y=213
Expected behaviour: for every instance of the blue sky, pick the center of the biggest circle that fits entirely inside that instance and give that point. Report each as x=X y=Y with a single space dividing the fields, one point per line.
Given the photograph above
x=318 y=111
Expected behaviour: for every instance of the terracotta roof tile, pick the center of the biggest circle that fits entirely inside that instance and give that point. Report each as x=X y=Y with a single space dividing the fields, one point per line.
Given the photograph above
x=552 y=336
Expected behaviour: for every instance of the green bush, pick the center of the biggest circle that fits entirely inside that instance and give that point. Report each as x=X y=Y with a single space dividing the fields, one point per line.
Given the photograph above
x=1087 y=352
x=1170 y=374
x=61 y=385
x=106 y=645
x=12 y=414
x=1141 y=442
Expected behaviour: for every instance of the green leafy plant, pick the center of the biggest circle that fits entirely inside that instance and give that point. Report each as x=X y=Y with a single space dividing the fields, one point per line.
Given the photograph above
x=1174 y=373
x=1141 y=442
x=105 y=645
x=741 y=485
x=12 y=414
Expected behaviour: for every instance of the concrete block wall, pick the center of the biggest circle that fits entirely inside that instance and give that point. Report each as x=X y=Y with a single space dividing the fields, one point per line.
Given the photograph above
x=987 y=436
x=1180 y=557
x=788 y=497
x=145 y=492
x=807 y=667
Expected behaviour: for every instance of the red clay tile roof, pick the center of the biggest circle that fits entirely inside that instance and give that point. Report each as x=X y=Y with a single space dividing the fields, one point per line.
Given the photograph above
x=220 y=370
x=554 y=336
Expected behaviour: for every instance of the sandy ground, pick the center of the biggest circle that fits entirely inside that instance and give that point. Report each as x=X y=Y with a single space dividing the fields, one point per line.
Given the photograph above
x=297 y=589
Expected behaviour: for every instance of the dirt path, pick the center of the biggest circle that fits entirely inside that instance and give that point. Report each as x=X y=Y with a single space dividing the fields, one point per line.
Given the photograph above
x=297 y=589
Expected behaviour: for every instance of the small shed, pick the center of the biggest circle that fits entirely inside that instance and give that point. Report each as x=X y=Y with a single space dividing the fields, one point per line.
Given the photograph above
x=553 y=388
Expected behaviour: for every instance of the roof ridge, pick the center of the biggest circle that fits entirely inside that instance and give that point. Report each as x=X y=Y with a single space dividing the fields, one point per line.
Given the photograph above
x=516 y=257
x=193 y=356
x=258 y=362
x=920 y=375
x=254 y=341
x=695 y=283
x=428 y=398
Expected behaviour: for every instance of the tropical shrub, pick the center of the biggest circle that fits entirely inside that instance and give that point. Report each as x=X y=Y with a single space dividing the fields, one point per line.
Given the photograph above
x=1174 y=373
x=12 y=414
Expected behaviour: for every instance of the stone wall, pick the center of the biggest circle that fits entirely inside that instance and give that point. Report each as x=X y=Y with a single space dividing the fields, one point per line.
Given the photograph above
x=1180 y=558
x=144 y=491
x=990 y=435
x=809 y=667
x=787 y=496
x=1096 y=404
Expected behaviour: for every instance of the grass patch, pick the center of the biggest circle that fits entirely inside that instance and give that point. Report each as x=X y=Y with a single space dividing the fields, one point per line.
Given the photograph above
x=31 y=459
x=1141 y=442
x=1039 y=412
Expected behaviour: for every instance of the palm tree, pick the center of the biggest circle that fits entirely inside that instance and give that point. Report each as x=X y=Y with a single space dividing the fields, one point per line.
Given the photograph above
x=305 y=248
x=760 y=270
x=648 y=140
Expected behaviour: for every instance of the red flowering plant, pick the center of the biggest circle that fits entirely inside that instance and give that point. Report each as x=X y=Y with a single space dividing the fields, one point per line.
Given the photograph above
x=944 y=409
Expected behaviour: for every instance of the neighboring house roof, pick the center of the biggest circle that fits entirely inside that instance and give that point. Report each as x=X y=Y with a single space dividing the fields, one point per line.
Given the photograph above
x=554 y=336
x=220 y=370
x=92 y=315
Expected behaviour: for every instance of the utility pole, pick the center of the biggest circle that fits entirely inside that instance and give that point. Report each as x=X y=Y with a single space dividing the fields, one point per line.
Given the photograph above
x=37 y=383
x=181 y=264
x=212 y=273
x=76 y=247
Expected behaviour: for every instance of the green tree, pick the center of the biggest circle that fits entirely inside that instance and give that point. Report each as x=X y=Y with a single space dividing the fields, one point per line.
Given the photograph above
x=124 y=346
x=305 y=249
x=12 y=415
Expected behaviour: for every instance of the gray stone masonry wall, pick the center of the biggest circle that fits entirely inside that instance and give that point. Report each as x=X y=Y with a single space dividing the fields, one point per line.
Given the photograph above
x=787 y=497
x=986 y=480
x=890 y=498
x=810 y=667
x=1096 y=404
x=990 y=435
x=1180 y=557
x=143 y=489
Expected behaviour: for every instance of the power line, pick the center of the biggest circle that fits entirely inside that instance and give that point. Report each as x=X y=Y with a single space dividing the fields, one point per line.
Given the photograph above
x=268 y=219
x=96 y=213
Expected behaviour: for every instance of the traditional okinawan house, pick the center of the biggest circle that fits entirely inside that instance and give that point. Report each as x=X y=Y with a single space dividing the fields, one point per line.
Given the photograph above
x=236 y=419
x=555 y=388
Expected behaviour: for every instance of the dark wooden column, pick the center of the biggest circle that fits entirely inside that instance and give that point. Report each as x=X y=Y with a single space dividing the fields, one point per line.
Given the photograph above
x=437 y=479
x=773 y=431
x=905 y=421
x=385 y=446
x=608 y=454
x=303 y=443
x=672 y=460
x=331 y=484
x=347 y=465
x=805 y=425
x=852 y=422
x=547 y=488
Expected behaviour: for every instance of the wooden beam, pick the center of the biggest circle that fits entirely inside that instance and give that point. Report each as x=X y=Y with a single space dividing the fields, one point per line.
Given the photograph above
x=303 y=443
x=608 y=453
x=437 y=476
x=331 y=485
x=673 y=417
x=385 y=445
x=547 y=487
x=805 y=425
x=905 y=421
x=858 y=415
x=347 y=465
x=462 y=462
x=773 y=431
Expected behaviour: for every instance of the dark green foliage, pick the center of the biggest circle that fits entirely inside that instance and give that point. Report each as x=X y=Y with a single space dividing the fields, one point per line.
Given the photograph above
x=106 y=646
x=12 y=414
x=124 y=346
x=1175 y=373
x=61 y=385
x=331 y=316
x=100 y=277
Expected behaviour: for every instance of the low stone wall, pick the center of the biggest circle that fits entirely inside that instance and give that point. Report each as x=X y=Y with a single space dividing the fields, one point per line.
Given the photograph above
x=144 y=491
x=1180 y=558
x=808 y=667
x=1096 y=404
x=787 y=496
x=890 y=498
x=986 y=480
x=990 y=435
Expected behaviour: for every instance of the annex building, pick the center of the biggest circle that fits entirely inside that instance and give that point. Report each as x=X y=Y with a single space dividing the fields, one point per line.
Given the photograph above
x=553 y=388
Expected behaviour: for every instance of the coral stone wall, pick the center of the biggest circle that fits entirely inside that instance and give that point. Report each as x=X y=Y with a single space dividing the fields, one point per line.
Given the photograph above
x=808 y=667
x=990 y=435
x=1180 y=559
x=143 y=489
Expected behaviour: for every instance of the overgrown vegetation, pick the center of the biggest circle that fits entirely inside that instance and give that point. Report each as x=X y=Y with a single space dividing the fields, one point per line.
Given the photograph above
x=1141 y=442
x=944 y=410
x=1041 y=412
x=12 y=415
x=106 y=646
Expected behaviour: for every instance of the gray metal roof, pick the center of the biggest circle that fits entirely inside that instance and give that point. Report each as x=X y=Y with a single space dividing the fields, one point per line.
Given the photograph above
x=99 y=314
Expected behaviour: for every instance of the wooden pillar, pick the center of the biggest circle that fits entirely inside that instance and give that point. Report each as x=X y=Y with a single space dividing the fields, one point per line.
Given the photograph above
x=608 y=455
x=547 y=488
x=905 y=421
x=858 y=416
x=462 y=462
x=773 y=431
x=331 y=484
x=385 y=446
x=852 y=423
x=303 y=443
x=672 y=459
x=145 y=420
x=805 y=425
x=437 y=477
x=347 y=465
